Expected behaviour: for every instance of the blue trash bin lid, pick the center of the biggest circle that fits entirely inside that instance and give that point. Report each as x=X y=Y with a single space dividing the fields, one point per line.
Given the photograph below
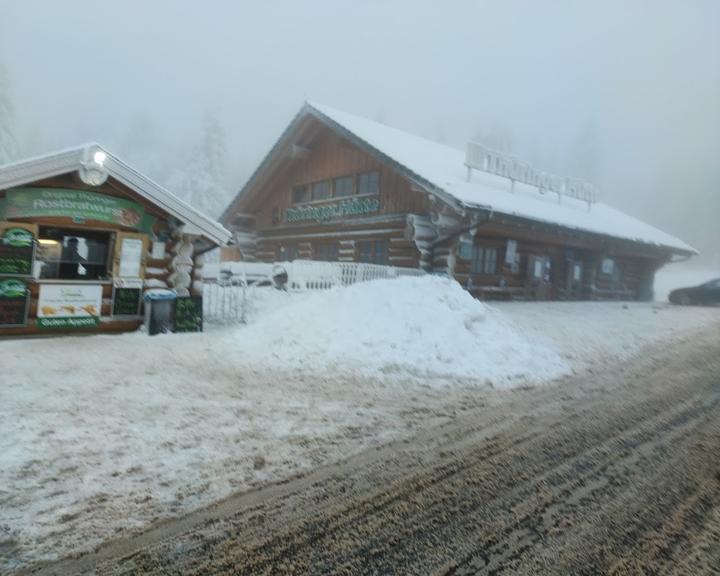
x=159 y=294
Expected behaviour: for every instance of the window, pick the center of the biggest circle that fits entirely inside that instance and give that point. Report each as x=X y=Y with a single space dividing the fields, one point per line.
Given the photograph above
x=275 y=216
x=608 y=266
x=540 y=268
x=373 y=251
x=465 y=250
x=484 y=260
x=300 y=194
x=369 y=183
x=344 y=186
x=320 y=190
x=490 y=266
x=68 y=254
x=288 y=253
x=325 y=252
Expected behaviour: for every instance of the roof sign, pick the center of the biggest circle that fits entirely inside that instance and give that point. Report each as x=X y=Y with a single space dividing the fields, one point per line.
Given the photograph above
x=479 y=157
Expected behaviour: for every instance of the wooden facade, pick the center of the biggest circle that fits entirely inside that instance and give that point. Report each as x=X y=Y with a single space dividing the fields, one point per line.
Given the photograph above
x=332 y=159
x=96 y=248
x=410 y=224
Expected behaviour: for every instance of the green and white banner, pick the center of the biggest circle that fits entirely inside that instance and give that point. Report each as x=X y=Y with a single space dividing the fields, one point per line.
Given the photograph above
x=342 y=209
x=17 y=251
x=79 y=205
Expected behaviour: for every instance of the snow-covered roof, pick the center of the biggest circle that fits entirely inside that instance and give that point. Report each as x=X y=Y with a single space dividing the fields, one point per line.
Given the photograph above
x=72 y=159
x=441 y=169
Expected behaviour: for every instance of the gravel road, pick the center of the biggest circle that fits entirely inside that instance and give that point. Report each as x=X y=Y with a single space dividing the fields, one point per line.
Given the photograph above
x=615 y=471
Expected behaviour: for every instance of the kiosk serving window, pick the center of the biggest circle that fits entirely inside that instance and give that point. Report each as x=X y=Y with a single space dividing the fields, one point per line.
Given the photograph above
x=73 y=254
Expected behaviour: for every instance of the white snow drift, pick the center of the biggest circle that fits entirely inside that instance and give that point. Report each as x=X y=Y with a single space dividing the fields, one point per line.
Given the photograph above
x=421 y=327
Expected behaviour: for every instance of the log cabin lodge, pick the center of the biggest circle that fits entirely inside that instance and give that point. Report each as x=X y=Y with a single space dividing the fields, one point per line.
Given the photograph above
x=343 y=188
x=83 y=235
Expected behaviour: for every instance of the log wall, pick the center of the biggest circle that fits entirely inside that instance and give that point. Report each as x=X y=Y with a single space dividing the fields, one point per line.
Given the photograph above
x=422 y=231
x=158 y=271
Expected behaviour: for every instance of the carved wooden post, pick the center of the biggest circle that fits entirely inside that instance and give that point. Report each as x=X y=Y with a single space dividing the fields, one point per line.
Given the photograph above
x=422 y=232
x=181 y=265
x=197 y=275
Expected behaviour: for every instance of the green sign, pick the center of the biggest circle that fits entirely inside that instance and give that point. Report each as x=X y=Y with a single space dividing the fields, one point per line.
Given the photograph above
x=342 y=209
x=126 y=301
x=14 y=299
x=86 y=322
x=189 y=314
x=79 y=205
x=18 y=237
x=17 y=251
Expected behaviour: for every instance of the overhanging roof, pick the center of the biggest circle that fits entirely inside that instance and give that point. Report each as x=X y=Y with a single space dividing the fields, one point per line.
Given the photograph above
x=441 y=171
x=72 y=159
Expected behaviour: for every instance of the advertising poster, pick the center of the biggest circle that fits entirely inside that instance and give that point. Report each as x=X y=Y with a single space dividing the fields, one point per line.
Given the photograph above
x=131 y=258
x=17 y=249
x=14 y=300
x=69 y=306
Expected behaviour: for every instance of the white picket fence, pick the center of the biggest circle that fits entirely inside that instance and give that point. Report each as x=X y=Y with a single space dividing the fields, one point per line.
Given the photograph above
x=227 y=286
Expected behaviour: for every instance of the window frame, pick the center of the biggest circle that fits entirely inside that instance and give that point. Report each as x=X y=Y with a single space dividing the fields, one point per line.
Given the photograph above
x=58 y=234
x=359 y=177
x=613 y=266
x=331 y=251
x=484 y=260
x=355 y=178
x=373 y=252
x=328 y=185
x=351 y=178
x=295 y=189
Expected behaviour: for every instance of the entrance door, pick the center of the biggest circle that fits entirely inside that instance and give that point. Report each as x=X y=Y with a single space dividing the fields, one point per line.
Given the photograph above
x=539 y=277
x=573 y=279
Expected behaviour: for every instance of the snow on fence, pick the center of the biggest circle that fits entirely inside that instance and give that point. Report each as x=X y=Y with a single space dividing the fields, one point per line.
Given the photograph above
x=228 y=285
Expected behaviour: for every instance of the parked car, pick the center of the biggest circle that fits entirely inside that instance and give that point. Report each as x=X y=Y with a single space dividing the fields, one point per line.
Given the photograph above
x=707 y=293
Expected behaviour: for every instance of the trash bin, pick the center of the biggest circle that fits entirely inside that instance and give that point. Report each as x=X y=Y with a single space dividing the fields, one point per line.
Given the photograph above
x=159 y=310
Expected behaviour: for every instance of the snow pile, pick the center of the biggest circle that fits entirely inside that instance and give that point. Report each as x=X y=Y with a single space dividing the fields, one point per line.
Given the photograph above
x=423 y=327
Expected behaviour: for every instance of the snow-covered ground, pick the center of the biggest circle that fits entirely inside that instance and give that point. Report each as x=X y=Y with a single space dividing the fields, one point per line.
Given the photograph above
x=106 y=433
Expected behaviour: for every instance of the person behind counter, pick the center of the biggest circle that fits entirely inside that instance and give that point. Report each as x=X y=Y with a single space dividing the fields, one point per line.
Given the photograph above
x=70 y=260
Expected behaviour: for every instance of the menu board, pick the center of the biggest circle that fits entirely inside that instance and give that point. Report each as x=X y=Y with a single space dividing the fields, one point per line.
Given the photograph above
x=14 y=301
x=17 y=250
x=126 y=300
x=189 y=314
x=130 y=257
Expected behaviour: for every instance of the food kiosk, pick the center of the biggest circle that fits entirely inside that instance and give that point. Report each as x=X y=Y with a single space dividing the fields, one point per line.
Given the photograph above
x=83 y=236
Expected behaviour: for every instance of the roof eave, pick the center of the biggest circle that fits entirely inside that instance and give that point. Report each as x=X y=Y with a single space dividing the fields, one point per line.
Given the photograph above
x=69 y=160
x=689 y=251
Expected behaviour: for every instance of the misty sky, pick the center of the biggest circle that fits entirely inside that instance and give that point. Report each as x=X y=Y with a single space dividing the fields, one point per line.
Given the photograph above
x=624 y=93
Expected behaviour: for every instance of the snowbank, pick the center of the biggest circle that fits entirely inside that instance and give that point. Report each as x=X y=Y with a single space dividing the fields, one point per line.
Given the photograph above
x=422 y=327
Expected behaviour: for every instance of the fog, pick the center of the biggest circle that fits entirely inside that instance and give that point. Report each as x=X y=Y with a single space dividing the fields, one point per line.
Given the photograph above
x=623 y=93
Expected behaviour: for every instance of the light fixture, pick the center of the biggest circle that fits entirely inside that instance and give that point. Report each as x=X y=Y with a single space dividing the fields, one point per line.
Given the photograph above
x=99 y=157
x=47 y=241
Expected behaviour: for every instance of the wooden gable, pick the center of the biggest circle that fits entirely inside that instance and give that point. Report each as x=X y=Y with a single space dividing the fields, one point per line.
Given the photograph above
x=319 y=154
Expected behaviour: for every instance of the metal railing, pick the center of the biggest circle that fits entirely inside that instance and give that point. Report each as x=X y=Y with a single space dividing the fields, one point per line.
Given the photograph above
x=227 y=286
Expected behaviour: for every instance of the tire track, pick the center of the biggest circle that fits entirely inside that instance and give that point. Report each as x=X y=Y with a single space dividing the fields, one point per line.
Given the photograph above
x=615 y=472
